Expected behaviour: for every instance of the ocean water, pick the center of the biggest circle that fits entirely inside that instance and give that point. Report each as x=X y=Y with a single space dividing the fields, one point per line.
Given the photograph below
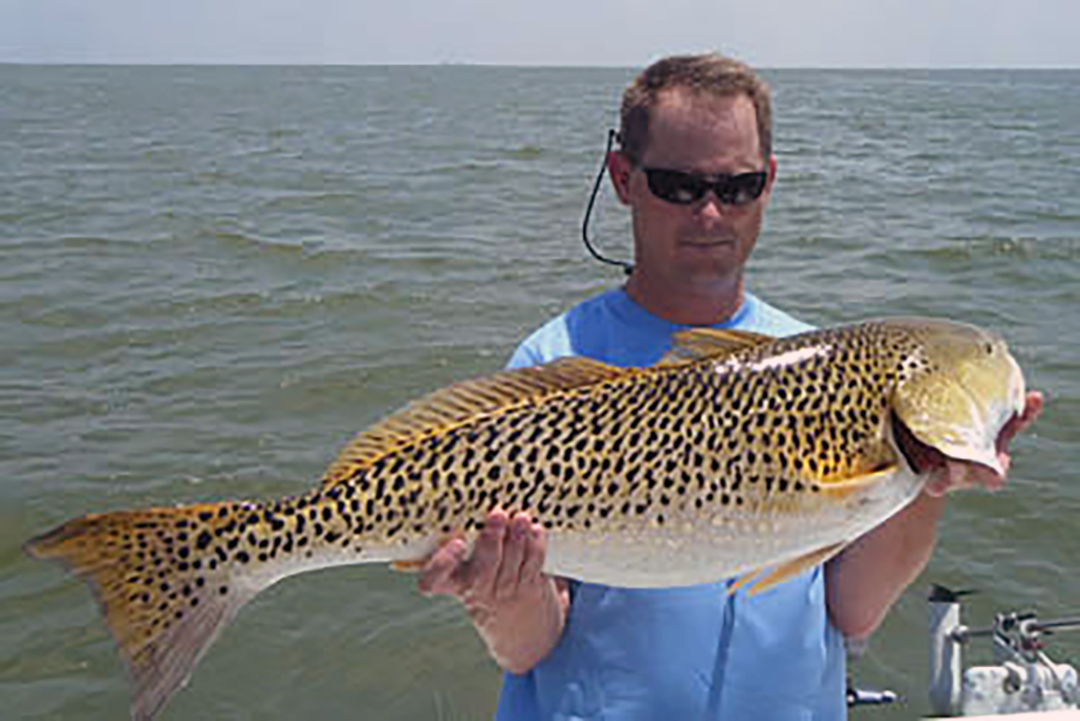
x=212 y=277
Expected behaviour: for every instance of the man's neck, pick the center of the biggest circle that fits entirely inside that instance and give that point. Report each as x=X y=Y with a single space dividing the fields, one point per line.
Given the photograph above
x=716 y=303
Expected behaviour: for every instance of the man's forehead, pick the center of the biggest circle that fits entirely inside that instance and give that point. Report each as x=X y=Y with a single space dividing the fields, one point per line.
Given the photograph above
x=679 y=103
x=706 y=123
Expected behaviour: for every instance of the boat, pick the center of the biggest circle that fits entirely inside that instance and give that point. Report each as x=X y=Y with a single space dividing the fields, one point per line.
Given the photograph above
x=1023 y=682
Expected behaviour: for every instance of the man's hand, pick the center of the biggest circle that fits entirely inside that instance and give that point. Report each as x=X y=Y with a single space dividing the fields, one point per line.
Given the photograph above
x=958 y=475
x=518 y=610
x=867 y=578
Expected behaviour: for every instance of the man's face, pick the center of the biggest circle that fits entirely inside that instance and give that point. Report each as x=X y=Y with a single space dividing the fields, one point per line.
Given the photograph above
x=704 y=243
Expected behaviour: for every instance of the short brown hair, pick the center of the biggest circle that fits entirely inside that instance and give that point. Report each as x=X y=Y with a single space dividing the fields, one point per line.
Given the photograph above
x=708 y=74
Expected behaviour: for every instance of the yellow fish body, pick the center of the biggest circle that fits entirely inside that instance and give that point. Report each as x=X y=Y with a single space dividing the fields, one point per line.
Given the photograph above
x=737 y=452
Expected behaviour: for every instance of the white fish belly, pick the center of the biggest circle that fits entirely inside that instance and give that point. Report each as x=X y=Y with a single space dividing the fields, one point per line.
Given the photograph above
x=693 y=547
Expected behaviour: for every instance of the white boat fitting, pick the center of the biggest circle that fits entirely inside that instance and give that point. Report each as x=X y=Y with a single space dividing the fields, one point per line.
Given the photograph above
x=1023 y=678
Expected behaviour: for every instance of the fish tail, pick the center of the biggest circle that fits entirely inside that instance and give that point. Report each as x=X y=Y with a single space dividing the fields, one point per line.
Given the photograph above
x=163 y=597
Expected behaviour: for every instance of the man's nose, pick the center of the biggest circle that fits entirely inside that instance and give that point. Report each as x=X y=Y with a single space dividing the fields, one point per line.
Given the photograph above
x=710 y=207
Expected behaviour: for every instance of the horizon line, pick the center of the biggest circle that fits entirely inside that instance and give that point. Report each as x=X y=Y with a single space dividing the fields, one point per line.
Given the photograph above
x=484 y=64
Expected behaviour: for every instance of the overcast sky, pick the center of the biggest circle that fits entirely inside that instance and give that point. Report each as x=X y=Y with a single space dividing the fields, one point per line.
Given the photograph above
x=767 y=33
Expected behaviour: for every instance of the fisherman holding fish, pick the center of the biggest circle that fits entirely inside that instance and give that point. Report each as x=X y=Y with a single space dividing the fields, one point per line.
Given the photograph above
x=733 y=493
x=695 y=168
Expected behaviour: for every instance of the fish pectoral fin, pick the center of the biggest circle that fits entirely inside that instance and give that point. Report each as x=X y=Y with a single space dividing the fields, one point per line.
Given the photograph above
x=696 y=344
x=464 y=402
x=413 y=566
x=841 y=488
x=788 y=570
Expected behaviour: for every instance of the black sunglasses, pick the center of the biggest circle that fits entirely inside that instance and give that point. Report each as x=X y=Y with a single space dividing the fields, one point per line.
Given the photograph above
x=681 y=188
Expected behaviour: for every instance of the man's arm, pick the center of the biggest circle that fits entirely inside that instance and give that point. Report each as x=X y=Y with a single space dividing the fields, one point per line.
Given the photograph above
x=863 y=582
x=518 y=611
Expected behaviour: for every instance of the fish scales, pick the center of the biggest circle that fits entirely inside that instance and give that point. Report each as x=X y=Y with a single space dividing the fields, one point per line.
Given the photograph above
x=734 y=453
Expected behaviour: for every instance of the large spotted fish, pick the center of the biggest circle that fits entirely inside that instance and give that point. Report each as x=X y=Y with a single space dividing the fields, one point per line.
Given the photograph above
x=736 y=453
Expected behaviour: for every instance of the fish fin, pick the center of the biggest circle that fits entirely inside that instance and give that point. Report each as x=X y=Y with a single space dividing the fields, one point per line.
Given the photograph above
x=789 y=569
x=463 y=402
x=841 y=488
x=413 y=566
x=162 y=624
x=692 y=345
x=744 y=579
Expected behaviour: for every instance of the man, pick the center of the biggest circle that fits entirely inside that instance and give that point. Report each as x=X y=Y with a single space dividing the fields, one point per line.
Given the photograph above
x=583 y=651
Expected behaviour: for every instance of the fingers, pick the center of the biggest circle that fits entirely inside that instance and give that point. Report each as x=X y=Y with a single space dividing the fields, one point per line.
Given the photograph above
x=535 y=553
x=984 y=477
x=1033 y=405
x=482 y=569
x=507 y=558
x=961 y=475
x=440 y=573
x=953 y=476
x=507 y=580
x=937 y=485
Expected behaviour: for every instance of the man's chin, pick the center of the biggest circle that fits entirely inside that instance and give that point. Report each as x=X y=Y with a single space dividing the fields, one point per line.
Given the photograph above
x=708 y=278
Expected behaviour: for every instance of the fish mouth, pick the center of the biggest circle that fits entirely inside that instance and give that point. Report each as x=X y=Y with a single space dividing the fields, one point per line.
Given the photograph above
x=922 y=458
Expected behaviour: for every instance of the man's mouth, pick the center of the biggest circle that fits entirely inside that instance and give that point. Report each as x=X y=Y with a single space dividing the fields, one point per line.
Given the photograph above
x=707 y=243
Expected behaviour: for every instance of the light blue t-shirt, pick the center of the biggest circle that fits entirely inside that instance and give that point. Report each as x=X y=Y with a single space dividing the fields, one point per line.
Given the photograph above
x=681 y=653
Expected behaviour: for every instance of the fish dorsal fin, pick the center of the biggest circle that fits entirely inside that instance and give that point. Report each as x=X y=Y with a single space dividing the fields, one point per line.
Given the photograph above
x=465 y=401
x=697 y=344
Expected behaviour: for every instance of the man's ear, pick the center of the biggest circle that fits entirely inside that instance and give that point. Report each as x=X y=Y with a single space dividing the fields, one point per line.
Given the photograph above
x=772 y=175
x=619 y=168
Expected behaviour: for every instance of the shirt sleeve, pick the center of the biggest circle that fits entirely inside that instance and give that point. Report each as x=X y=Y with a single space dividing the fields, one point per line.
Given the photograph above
x=523 y=357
